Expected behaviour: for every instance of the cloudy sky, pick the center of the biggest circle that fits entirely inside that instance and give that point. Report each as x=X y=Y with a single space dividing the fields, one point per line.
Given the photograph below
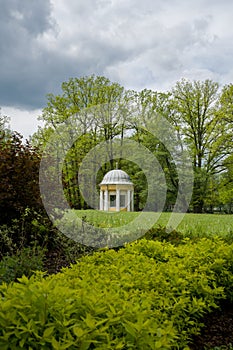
x=149 y=43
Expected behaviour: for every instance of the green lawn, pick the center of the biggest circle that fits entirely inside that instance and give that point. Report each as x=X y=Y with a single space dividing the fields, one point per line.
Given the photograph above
x=195 y=224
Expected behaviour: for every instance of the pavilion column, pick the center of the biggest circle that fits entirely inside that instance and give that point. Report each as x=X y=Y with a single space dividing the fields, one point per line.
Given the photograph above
x=101 y=200
x=128 y=200
x=117 y=200
x=106 y=200
x=132 y=200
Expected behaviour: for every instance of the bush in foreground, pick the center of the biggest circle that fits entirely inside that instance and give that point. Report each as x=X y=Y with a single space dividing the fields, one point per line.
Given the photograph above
x=150 y=295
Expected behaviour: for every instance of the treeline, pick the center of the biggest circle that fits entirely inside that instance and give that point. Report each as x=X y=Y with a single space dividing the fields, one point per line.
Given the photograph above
x=200 y=113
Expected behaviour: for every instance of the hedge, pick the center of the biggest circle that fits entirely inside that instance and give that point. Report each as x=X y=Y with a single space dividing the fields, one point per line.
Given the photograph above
x=148 y=295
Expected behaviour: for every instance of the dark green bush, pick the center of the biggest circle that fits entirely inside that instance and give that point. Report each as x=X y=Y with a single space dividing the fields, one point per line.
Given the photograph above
x=7 y=246
x=24 y=262
x=161 y=234
x=34 y=230
x=31 y=229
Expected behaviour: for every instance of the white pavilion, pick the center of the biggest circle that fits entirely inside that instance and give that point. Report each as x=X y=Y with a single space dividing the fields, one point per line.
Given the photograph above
x=116 y=192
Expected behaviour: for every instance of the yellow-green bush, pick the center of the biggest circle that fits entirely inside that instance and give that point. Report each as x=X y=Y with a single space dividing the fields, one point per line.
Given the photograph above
x=149 y=295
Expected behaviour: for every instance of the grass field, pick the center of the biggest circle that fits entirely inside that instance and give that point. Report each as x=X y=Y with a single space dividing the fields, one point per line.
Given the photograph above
x=191 y=224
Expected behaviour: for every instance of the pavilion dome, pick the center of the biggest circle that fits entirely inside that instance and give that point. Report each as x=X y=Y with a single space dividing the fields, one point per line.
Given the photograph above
x=116 y=177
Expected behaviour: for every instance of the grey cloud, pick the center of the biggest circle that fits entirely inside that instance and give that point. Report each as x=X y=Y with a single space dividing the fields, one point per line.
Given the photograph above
x=32 y=16
x=20 y=67
x=140 y=44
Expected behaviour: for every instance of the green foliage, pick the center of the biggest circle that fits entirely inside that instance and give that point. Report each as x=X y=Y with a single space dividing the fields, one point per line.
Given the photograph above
x=7 y=246
x=200 y=114
x=24 y=262
x=194 y=106
x=92 y=125
x=19 y=176
x=201 y=117
x=161 y=234
x=29 y=230
x=34 y=233
x=149 y=295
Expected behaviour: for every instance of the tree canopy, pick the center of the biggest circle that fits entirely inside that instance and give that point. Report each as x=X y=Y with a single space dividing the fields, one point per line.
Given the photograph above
x=200 y=112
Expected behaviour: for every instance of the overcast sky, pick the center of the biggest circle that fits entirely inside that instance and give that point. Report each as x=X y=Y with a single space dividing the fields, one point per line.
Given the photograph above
x=140 y=44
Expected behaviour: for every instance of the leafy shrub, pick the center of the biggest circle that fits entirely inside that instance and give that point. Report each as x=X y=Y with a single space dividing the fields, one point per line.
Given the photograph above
x=35 y=231
x=150 y=295
x=31 y=229
x=161 y=234
x=24 y=262
x=6 y=242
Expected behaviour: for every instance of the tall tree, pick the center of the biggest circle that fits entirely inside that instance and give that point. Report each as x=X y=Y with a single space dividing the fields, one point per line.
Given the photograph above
x=90 y=102
x=195 y=115
x=149 y=106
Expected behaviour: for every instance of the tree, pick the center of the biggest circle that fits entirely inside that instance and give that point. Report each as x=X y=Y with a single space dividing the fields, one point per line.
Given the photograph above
x=92 y=104
x=226 y=104
x=195 y=106
x=5 y=131
x=149 y=106
x=225 y=180
x=226 y=185
x=19 y=176
x=105 y=111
